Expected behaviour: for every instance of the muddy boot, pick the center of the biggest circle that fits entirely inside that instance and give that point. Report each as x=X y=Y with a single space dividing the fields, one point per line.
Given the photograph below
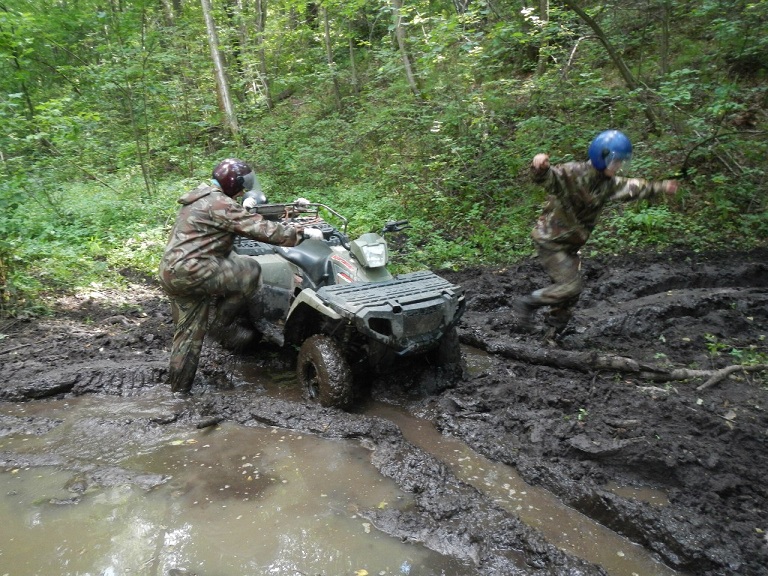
x=557 y=322
x=181 y=381
x=524 y=310
x=237 y=337
x=224 y=323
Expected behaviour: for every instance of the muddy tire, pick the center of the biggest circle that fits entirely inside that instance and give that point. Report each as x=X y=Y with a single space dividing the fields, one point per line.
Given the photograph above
x=447 y=355
x=324 y=372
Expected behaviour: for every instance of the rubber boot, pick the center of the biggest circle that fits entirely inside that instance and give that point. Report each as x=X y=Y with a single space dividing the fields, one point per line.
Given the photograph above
x=524 y=309
x=237 y=337
x=227 y=310
x=557 y=320
x=230 y=326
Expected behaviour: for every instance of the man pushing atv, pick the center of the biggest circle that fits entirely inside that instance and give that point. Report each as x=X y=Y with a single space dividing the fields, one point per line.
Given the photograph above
x=330 y=297
x=199 y=263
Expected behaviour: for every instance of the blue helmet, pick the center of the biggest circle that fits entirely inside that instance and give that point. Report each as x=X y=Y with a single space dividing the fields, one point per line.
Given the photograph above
x=609 y=146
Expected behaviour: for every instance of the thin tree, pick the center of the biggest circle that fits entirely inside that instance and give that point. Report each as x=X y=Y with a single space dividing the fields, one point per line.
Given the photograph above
x=261 y=25
x=355 y=79
x=626 y=73
x=666 y=11
x=403 y=46
x=329 y=57
x=168 y=12
x=222 y=85
x=544 y=17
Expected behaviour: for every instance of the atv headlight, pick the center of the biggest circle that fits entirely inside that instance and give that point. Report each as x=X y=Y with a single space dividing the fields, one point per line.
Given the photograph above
x=370 y=250
x=374 y=255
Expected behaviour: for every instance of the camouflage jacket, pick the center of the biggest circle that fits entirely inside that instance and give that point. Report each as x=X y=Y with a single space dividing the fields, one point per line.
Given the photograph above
x=205 y=231
x=577 y=195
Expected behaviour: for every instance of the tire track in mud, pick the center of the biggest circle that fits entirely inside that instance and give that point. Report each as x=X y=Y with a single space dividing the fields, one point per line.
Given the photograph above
x=560 y=524
x=667 y=313
x=706 y=449
x=109 y=377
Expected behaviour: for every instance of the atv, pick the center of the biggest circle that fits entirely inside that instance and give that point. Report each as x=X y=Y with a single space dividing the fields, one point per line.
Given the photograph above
x=335 y=301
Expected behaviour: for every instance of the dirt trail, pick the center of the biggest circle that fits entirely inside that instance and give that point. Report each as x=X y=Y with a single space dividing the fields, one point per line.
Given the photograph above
x=575 y=431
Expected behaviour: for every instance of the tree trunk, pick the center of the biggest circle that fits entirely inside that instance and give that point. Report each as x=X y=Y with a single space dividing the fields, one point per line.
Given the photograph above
x=544 y=17
x=329 y=57
x=618 y=61
x=461 y=6
x=168 y=13
x=261 y=25
x=402 y=45
x=353 y=66
x=222 y=85
x=664 y=42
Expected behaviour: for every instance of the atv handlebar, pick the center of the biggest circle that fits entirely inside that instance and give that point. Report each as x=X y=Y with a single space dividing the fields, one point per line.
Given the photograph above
x=395 y=226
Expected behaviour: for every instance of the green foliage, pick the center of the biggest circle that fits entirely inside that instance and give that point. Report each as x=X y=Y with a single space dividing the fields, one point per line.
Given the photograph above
x=108 y=112
x=748 y=354
x=81 y=236
x=641 y=226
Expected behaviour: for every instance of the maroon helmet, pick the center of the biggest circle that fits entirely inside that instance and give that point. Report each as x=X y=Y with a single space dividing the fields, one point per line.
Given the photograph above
x=234 y=176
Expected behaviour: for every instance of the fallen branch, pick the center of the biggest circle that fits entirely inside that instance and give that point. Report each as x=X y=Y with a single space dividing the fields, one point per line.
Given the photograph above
x=14 y=348
x=592 y=361
x=727 y=371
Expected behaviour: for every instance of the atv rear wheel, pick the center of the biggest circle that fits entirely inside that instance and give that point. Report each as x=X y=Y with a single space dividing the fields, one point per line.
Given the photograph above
x=324 y=372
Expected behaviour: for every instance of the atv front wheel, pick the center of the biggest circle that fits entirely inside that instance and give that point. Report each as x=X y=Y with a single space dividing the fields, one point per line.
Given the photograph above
x=324 y=372
x=447 y=355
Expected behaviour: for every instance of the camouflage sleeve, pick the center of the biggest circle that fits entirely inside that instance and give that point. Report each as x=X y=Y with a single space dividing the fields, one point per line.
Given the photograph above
x=559 y=179
x=627 y=189
x=234 y=218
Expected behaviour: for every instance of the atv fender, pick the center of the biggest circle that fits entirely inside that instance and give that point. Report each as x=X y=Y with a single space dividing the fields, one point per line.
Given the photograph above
x=310 y=298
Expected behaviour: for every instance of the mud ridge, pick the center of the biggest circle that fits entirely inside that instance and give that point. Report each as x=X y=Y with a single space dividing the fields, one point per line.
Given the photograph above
x=580 y=433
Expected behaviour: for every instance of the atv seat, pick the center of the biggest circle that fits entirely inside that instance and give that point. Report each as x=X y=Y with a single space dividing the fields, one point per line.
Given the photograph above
x=248 y=247
x=312 y=256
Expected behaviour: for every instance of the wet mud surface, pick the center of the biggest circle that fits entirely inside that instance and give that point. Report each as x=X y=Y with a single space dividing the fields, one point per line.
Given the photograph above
x=575 y=417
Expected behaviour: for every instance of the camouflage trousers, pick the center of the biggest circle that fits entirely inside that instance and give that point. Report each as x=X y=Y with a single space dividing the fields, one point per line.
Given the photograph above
x=234 y=282
x=563 y=264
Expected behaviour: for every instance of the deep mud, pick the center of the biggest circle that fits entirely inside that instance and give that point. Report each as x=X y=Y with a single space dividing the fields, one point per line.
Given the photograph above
x=576 y=430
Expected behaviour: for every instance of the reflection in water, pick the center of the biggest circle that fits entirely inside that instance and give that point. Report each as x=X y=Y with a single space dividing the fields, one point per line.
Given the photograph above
x=642 y=494
x=236 y=501
x=561 y=525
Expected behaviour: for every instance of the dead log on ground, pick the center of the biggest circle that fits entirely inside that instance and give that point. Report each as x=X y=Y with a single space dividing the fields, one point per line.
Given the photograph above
x=594 y=361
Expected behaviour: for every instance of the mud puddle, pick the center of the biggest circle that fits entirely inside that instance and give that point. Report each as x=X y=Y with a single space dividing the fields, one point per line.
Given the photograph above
x=562 y=526
x=92 y=486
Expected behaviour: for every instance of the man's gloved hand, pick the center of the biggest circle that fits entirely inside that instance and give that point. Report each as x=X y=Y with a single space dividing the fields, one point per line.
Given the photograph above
x=313 y=233
x=301 y=201
x=540 y=162
x=670 y=186
x=249 y=203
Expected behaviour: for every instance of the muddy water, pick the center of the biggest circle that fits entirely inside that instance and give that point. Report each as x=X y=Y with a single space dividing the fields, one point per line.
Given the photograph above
x=562 y=526
x=91 y=487
x=110 y=494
